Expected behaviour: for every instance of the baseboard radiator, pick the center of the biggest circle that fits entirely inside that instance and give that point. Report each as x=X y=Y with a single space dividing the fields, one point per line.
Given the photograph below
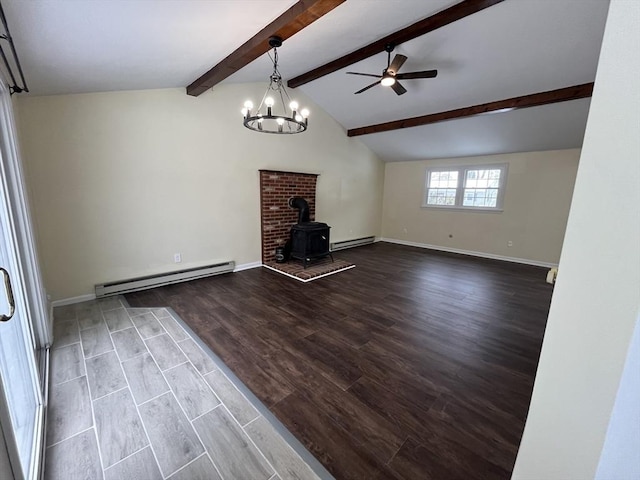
x=151 y=281
x=358 y=242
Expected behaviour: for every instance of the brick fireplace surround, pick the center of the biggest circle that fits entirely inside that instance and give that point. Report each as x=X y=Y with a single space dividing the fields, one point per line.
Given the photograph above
x=277 y=217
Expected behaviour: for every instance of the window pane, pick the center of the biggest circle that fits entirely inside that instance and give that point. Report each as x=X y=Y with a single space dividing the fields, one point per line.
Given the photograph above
x=453 y=180
x=441 y=196
x=443 y=179
x=483 y=178
x=469 y=196
x=434 y=179
x=480 y=197
x=451 y=197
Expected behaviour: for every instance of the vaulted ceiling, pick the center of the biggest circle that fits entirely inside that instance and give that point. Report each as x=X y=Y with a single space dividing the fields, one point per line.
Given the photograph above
x=511 y=49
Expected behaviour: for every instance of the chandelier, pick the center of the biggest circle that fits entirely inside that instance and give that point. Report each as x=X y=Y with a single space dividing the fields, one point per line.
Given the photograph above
x=272 y=115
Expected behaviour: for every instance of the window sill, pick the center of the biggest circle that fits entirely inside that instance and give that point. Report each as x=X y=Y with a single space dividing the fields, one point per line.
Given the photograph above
x=463 y=209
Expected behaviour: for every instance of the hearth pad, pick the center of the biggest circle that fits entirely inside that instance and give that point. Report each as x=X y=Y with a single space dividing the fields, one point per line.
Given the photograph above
x=318 y=269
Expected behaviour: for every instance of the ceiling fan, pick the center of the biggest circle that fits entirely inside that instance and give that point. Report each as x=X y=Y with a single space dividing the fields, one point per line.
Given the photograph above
x=390 y=75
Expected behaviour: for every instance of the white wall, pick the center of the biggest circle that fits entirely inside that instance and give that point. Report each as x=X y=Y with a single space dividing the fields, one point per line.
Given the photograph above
x=536 y=205
x=597 y=295
x=121 y=181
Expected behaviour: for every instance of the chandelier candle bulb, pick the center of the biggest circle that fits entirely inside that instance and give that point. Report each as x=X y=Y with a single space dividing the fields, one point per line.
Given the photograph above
x=275 y=101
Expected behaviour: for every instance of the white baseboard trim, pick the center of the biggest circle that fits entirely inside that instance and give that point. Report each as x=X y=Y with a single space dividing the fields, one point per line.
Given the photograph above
x=472 y=253
x=72 y=300
x=92 y=296
x=247 y=266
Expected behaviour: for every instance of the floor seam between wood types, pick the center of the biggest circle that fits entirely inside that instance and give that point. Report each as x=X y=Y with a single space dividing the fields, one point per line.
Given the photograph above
x=359 y=365
x=300 y=451
x=105 y=374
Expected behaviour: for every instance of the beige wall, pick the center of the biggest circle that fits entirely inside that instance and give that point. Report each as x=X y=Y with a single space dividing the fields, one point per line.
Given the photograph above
x=536 y=205
x=121 y=181
x=597 y=295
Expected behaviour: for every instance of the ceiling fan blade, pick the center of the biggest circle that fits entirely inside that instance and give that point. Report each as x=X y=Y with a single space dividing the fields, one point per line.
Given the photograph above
x=397 y=62
x=411 y=75
x=368 y=87
x=365 y=74
x=399 y=89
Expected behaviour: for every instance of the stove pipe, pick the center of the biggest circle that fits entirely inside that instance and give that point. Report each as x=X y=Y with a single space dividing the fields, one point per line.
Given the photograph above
x=302 y=206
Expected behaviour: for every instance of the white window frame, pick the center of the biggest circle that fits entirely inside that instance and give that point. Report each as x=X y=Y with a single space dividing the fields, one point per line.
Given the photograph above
x=462 y=175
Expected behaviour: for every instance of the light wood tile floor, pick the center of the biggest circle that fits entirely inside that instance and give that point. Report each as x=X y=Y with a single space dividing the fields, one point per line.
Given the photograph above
x=133 y=395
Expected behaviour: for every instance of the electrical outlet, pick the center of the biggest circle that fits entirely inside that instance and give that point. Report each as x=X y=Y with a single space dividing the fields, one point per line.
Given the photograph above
x=177 y=257
x=509 y=243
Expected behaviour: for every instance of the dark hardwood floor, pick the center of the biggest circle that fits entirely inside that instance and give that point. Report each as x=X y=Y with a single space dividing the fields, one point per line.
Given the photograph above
x=413 y=365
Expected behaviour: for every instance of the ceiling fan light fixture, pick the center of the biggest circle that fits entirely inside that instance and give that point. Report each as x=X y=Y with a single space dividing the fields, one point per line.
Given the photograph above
x=272 y=115
x=387 y=81
x=390 y=75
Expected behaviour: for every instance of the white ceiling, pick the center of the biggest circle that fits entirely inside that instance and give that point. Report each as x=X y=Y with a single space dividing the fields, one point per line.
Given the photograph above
x=514 y=48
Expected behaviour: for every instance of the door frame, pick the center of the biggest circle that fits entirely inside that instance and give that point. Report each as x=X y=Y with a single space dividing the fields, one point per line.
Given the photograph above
x=36 y=298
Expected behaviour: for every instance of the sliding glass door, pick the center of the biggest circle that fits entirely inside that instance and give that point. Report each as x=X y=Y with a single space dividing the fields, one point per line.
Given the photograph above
x=21 y=399
x=24 y=325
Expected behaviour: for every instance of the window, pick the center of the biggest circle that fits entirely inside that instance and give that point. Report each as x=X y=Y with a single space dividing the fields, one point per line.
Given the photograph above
x=472 y=187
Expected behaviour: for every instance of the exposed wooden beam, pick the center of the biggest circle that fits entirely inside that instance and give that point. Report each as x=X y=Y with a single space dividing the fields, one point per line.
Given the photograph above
x=299 y=16
x=429 y=24
x=536 y=99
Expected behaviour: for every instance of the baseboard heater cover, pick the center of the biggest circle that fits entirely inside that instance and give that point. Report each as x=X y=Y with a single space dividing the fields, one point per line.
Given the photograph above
x=357 y=242
x=152 y=281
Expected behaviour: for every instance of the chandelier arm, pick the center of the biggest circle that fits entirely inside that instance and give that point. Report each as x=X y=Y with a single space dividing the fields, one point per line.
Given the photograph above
x=262 y=101
x=284 y=104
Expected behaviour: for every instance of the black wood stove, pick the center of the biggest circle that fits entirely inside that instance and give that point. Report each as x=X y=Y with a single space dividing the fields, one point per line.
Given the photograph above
x=308 y=240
